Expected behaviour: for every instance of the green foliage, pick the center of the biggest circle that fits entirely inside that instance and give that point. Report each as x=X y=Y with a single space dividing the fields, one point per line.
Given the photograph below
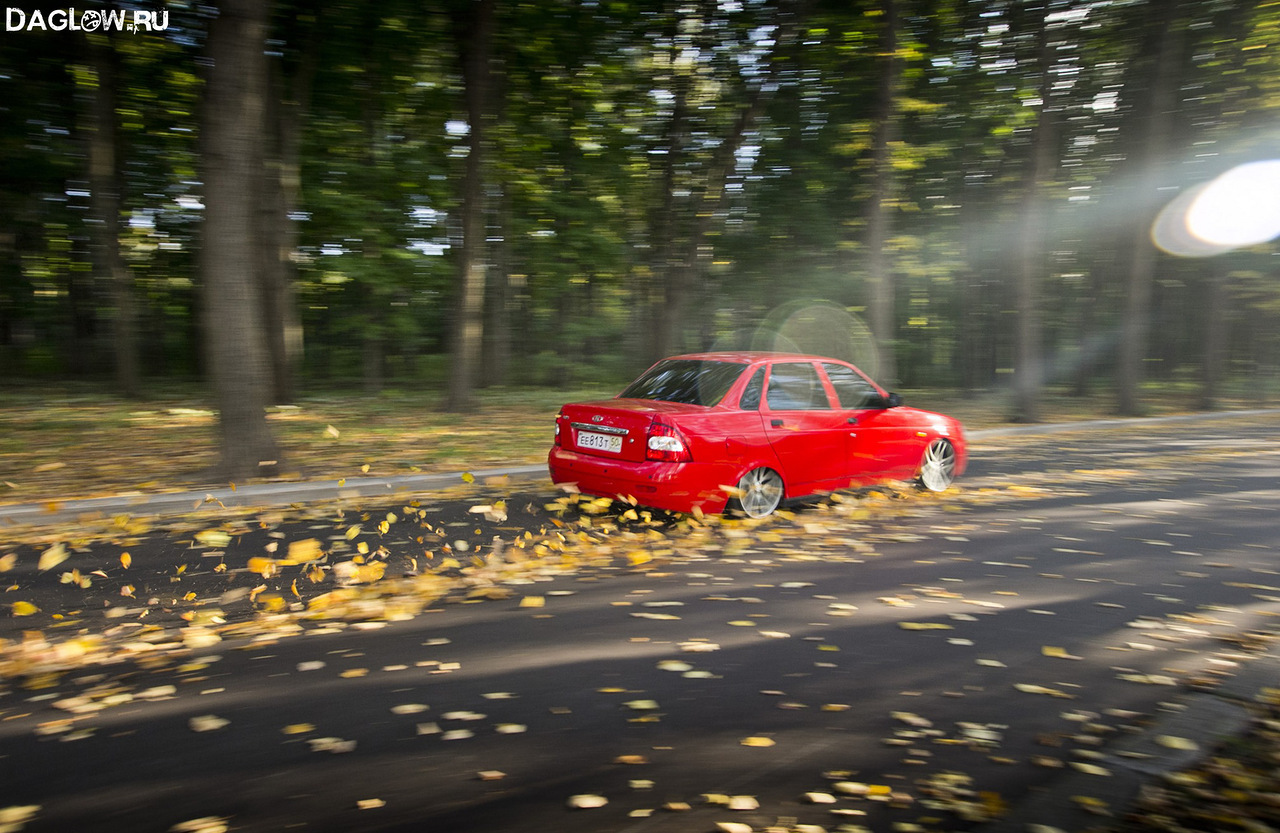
x=602 y=183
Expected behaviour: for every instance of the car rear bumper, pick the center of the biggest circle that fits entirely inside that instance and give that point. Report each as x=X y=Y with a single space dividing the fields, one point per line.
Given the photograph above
x=677 y=487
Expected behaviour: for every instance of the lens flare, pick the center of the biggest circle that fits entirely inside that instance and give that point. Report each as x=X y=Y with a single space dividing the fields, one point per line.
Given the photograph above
x=1240 y=208
x=819 y=327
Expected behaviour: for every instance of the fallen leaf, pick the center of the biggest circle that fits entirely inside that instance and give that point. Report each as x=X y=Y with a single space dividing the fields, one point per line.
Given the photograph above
x=1171 y=742
x=1030 y=688
x=587 y=802
x=207 y=723
x=758 y=741
x=52 y=557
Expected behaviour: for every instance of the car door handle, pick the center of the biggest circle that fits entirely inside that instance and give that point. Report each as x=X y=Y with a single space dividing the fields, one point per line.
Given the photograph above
x=777 y=423
x=852 y=420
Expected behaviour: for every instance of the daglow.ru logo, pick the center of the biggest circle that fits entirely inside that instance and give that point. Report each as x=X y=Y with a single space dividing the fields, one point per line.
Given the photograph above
x=89 y=20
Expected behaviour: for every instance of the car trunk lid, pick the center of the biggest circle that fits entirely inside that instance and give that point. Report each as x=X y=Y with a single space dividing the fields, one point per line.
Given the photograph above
x=616 y=428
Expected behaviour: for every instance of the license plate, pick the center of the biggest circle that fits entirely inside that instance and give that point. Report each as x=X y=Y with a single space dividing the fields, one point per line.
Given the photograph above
x=600 y=442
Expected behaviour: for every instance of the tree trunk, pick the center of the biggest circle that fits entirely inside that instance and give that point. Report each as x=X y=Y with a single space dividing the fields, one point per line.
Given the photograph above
x=498 y=307
x=104 y=184
x=468 y=335
x=880 y=282
x=1029 y=355
x=1167 y=35
x=281 y=182
x=236 y=344
x=1213 y=362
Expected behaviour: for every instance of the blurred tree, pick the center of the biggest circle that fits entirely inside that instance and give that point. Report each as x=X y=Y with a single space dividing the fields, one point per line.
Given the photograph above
x=885 y=132
x=1032 y=249
x=105 y=188
x=474 y=24
x=231 y=151
x=1161 y=63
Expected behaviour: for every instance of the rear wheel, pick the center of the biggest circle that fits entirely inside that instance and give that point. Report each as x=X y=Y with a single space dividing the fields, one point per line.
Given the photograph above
x=938 y=467
x=759 y=492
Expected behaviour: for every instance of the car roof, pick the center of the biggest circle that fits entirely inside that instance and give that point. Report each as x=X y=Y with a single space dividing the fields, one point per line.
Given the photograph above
x=752 y=356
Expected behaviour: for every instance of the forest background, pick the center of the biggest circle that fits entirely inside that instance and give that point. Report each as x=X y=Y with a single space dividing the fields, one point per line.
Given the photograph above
x=271 y=198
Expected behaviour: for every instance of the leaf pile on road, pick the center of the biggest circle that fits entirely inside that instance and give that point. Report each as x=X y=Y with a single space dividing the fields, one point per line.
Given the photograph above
x=1236 y=787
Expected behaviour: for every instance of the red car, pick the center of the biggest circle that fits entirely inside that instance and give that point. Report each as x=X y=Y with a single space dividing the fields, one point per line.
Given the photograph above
x=745 y=431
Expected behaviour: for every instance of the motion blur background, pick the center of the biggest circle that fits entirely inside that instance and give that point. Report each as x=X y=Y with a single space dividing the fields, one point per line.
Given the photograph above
x=1009 y=193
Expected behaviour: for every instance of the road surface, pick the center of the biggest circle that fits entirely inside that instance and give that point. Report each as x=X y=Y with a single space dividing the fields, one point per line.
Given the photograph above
x=878 y=660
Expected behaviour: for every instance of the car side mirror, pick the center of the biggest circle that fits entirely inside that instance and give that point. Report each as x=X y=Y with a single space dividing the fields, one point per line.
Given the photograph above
x=894 y=400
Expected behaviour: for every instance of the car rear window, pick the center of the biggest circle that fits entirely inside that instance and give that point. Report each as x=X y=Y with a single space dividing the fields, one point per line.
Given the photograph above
x=691 y=381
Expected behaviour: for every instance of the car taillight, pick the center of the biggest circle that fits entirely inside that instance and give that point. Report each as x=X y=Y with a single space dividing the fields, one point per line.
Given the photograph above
x=666 y=444
x=558 y=440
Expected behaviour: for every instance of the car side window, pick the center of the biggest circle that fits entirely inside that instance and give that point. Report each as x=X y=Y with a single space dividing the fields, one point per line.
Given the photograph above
x=750 y=400
x=852 y=389
x=796 y=386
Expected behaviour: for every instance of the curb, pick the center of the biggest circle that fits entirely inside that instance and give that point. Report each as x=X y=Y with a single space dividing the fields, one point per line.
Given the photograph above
x=257 y=494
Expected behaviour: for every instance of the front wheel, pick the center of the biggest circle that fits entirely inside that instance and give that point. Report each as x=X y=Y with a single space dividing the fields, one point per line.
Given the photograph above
x=759 y=492
x=938 y=467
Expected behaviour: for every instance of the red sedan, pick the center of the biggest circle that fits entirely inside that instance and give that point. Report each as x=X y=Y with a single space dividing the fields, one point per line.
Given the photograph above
x=745 y=431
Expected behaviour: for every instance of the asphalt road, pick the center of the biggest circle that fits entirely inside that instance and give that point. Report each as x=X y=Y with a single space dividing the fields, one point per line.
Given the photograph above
x=875 y=661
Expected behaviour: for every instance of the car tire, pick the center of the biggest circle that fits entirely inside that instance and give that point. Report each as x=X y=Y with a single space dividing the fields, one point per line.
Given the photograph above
x=938 y=466
x=760 y=492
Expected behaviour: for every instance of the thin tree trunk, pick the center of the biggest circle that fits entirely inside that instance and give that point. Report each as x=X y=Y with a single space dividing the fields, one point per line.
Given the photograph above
x=1029 y=356
x=104 y=183
x=239 y=359
x=498 y=306
x=1137 y=314
x=881 y=288
x=1213 y=362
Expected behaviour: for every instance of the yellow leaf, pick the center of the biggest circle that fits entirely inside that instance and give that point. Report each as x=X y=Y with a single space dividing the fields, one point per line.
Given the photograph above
x=298 y=728
x=924 y=626
x=1171 y=742
x=190 y=597
x=332 y=432
x=127 y=590
x=533 y=601
x=303 y=551
x=126 y=560
x=369 y=573
x=352 y=532
x=53 y=556
x=214 y=538
x=758 y=741
x=468 y=477
x=24 y=609
x=265 y=567
x=1029 y=688
x=587 y=802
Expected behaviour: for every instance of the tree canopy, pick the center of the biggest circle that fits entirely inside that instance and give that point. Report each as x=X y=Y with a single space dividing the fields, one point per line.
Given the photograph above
x=586 y=185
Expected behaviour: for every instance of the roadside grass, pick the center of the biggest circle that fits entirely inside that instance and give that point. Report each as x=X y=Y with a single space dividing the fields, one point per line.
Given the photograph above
x=59 y=442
